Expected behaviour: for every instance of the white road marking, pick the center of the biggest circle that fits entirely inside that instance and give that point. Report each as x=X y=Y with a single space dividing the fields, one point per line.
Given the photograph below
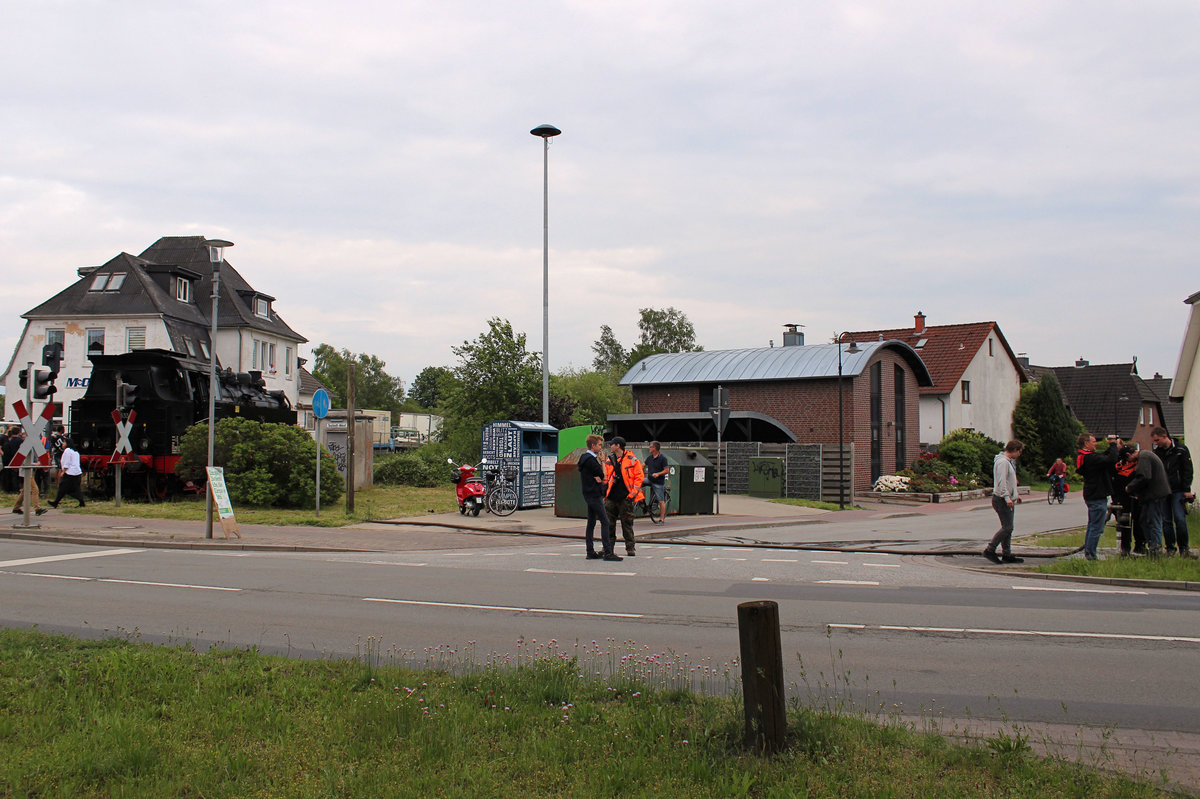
x=760 y=579
x=601 y=574
x=1079 y=590
x=728 y=558
x=832 y=562
x=847 y=626
x=505 y=607
x=679 y=557
x=848 y=582
x=100 y=553
x=49 y=576
x=167 y=585
x=884 y=565
x=1043 y=633
x=780 y=560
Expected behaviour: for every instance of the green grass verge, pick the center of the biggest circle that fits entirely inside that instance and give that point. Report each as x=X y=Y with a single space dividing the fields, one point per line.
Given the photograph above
x=1110 y=565
x=813 y=503
x=377 y=502
x=114 y=718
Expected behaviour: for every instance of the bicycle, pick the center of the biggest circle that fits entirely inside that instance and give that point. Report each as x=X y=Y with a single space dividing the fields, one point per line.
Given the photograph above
x=1055 y=492
x=501 y=497
x=649 y=504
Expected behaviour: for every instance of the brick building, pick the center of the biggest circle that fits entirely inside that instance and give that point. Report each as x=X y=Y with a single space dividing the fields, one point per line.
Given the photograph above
x=783 y=395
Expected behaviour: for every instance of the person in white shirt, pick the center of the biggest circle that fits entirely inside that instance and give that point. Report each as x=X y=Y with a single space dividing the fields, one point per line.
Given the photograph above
x=70 y=476
x=1004 y=498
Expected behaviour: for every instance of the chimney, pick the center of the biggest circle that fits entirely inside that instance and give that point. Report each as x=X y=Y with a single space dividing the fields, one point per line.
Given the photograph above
x=792 y=337
x=1079 y=364
x=1023 y=359
x=918 y=324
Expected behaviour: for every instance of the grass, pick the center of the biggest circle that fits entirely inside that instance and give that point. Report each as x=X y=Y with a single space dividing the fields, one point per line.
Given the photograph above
x=377 y=502
x=813 y=503
x=1109 y=565
x=120 y=718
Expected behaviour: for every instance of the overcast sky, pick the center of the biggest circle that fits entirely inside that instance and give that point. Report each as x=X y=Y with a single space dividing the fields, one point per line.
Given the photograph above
x=838 y=165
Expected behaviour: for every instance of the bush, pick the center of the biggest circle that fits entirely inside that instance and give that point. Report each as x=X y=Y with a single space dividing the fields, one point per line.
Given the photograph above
x=970 y=454
x=266 y=464
x=407 y=469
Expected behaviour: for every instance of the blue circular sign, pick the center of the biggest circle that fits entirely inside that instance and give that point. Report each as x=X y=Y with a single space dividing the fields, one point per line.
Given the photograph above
x=320 y=403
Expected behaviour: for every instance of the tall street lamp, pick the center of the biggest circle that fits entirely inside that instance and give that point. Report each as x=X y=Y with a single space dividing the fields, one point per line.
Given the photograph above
x=546 y=132
x=851 y=350
x=216 y=256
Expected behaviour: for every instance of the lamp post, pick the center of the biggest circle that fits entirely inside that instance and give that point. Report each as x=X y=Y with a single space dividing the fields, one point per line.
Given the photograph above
x=216 y=256
x=851 y=350
x=1116 y=412
x=546 y=132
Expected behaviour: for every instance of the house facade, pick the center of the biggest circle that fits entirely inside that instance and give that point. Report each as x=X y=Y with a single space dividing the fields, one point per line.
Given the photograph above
x=976 y=376
x=783 y=395
x=1109 y=398
x=161 y=299
x=1185 y=388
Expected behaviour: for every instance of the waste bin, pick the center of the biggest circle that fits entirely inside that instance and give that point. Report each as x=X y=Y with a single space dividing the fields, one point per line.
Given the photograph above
x=527 y=452
x=568 y=491
x=691 y=481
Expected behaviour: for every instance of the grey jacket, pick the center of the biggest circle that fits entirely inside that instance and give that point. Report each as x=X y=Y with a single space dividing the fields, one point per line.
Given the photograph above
x=1149 y=481
x=1004 y=477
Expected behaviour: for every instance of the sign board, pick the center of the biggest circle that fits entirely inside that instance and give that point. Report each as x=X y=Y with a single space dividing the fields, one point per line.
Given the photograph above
x=31 y=445
x=216 y=479
x=321 y=403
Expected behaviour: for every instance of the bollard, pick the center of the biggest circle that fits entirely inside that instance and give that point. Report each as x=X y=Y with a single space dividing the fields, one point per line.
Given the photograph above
x=762 y=676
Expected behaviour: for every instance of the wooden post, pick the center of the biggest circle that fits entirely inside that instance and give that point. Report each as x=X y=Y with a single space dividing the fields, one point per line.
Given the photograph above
x=350 y=437
x=762 y=675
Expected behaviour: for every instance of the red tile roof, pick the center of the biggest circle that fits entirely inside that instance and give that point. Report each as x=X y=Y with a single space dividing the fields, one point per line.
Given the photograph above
x=947 y=349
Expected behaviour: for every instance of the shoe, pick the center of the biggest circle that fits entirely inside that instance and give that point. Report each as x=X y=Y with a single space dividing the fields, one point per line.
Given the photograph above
x=612 y=556
x=629 y=553
x=82 y=505
x=593 y=556
x=1090 y=557
x=1011 y=559
x=40 y=511
x=16 y=510
x=991 y=555
x=53 y=503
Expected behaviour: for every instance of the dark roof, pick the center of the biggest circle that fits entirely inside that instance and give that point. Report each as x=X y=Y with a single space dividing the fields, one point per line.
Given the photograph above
x=141 y=294
x=310 y=384
x=947 y=350
x=1093 y=394
x=1172 y=412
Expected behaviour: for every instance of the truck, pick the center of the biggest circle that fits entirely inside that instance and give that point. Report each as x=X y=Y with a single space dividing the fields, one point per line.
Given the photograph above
x=381 y=426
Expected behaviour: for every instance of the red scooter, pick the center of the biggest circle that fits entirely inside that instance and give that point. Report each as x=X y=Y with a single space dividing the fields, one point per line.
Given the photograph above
x=468 y=488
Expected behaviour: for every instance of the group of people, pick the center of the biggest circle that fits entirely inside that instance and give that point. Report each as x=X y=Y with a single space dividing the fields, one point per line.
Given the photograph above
x=1149 y=492
x=611 y=483
x=66 y=463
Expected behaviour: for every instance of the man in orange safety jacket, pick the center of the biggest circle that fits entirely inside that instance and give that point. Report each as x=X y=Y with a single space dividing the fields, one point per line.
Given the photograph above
x=622 y=493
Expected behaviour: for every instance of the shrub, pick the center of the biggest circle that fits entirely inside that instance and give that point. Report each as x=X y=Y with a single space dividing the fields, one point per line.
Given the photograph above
x=407 y=469
x=266 y=464
x=970 y=453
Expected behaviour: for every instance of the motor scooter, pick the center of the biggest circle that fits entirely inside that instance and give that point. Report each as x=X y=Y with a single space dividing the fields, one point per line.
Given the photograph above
x=468 y=488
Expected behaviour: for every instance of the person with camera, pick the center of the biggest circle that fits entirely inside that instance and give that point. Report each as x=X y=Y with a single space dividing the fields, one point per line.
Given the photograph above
x=1096 y=469
x=1150 y=488
x=1178 y=463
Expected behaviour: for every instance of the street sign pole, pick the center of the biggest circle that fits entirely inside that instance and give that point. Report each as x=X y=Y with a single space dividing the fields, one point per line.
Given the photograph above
x=320 y=405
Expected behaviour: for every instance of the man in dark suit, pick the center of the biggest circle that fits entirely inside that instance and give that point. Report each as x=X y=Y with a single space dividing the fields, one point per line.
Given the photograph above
x=593 y=486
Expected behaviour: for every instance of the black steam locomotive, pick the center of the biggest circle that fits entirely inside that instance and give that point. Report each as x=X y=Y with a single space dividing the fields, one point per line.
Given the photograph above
x=164 y=393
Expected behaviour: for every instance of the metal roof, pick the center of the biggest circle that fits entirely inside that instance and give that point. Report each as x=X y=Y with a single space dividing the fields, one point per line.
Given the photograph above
x=764 y=363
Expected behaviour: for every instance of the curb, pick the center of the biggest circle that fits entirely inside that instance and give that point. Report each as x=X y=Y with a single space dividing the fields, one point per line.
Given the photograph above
x=162 y=544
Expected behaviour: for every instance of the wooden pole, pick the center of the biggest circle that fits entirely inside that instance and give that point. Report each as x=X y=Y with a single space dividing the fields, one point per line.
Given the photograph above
x=350 y=386
x=762 y=676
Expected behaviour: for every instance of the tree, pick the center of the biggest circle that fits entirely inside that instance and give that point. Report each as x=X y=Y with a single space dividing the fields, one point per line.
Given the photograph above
x=1025 y=428
x=1056 y=427
x=610 y=355
x=373 y=387
x=595 y=394
x=429 y=387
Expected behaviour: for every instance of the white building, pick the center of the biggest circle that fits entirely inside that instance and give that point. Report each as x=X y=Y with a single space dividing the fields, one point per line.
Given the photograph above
x=1186 y=386
x=161 y=299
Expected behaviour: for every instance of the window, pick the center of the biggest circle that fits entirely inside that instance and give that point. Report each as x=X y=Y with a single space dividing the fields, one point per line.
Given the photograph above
x=191 y=348
x=204 y=349
x=135 y=338
x=99 y=282
x=115 y=282
x=966 y=392
x=58 y=337
x=287 y=361
x=95 y=342
x=990 y=353
x=183 y=290
x=254 y=353
x=271 y=360
x=262 y=308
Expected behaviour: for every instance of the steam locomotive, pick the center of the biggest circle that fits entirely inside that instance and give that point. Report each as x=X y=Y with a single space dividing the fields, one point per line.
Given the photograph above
x=166 y=392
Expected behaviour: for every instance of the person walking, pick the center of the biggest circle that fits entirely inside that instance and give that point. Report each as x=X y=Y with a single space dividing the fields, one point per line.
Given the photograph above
x=1096 y=469
x=657 y=469
x=592 y=484
x=70 y=476
x=1004 y=499
x=1150 y=488
x=624 y=476
x=1178 y=463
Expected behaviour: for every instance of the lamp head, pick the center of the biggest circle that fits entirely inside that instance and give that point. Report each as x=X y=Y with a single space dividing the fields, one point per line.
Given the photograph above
x=545 y=131
x=215 y=248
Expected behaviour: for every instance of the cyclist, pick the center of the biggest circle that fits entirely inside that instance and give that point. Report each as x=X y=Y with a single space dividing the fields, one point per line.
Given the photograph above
x=1058 y=476
x=657 y=469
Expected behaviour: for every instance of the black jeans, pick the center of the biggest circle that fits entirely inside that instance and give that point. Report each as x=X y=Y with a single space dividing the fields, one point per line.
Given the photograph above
x=69 y=486
x=1003 y=536
x=595 y=506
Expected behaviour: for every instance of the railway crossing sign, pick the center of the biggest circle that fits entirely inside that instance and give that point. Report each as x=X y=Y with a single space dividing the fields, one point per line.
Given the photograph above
x=32 y=445
x=124 y=450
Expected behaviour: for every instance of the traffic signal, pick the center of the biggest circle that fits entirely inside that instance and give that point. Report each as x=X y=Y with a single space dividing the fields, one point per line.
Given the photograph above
x=52 y=357
x=23 y=378
x=126 y=394
x=43 y=384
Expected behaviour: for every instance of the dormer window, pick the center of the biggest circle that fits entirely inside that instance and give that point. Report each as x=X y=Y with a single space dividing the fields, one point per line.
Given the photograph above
x=183 y=289
x=262 y=308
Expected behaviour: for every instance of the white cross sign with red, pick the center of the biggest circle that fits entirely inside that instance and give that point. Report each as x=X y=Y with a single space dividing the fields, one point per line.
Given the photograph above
x=123 y=430
x=32 y=445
